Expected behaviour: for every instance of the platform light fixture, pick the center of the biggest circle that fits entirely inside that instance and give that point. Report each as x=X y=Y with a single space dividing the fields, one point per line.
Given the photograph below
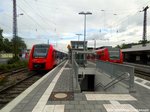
x=85 y=13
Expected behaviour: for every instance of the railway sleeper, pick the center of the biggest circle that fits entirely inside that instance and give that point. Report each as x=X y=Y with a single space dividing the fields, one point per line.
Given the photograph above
x=7 y=95
x=5 y=101
x=15 y=92
x=21 y=86
x=18 y=89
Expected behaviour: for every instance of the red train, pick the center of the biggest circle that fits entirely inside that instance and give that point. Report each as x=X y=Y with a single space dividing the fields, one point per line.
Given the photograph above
x=44 y=57
x=110 y=54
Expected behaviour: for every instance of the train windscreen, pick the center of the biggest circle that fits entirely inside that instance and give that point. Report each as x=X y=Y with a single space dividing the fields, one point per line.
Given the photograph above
x=114 y=54
x=40 y=51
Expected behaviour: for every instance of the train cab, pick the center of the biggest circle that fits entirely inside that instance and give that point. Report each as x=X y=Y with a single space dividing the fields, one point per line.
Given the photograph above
x=110 y=54
x=42 y=57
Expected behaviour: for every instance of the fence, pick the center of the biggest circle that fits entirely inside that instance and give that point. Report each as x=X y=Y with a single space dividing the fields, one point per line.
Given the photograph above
x=75 y=68
x=117 y=71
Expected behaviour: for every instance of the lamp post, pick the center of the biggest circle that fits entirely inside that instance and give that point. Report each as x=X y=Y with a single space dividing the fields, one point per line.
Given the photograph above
x=103 y=25
x=116 y=28
x=78 y=39
x=94 y=48
x=85 y=13
x=79 y=36
x=20 y=14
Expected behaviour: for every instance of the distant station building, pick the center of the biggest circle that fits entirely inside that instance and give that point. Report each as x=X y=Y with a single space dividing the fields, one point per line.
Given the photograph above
x=78 y=45
x=137 y=54
x=76 y=48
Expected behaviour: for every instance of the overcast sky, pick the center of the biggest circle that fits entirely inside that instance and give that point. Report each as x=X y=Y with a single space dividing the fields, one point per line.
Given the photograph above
x=112 y=22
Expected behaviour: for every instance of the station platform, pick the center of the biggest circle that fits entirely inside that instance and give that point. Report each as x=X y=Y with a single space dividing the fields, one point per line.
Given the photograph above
x=55 y=92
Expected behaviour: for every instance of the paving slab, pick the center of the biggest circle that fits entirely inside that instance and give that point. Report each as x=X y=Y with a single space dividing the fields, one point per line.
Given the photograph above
x=61 y=81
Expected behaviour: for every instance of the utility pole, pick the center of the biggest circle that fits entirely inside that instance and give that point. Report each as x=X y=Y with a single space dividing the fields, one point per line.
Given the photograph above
x=15 y=27
x=85 y=45
x=78 y=36
x=145 y=25
x=94 y=44
x=48 y=41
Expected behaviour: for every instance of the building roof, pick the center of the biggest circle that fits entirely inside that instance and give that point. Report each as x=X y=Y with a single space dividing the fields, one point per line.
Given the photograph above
x=137 y=48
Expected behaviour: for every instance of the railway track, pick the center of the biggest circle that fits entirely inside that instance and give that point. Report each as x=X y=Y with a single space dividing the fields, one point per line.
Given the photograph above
x=13 y=71
x=11 y=92
x=142 y=71
x=12 y=77
x=142 y=74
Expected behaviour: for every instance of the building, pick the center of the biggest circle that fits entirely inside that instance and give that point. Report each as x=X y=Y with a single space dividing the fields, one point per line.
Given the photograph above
x=137 y=54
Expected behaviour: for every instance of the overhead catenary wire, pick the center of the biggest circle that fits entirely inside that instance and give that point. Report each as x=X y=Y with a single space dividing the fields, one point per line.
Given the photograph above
x=129 y=15
x=6 y=27
x=43 y=19
x=39 y=15
x=120 y=21
x=33 y=19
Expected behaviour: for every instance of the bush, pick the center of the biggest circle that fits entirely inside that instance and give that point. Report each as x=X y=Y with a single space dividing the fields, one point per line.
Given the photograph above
x=13 y=60
x=17 y=64
x=3 y=67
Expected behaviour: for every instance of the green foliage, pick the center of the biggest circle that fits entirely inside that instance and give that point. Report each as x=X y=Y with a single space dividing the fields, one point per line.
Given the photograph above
x=9 y=67
x=3 y=67
x=124 y=46
x=8 y=46
x=118 y=46
x=13 y=60
x=1 y=39
x=19 y=43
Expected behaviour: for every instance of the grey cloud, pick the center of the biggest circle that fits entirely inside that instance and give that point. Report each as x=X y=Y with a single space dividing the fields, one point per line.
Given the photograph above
x=59 y=17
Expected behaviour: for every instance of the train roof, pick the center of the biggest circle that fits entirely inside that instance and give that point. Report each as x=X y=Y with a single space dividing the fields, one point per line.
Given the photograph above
x=108 y=47
x=46 y=45
x=42 y=45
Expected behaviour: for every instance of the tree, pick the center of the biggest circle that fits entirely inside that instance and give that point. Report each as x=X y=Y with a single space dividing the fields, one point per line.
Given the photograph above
x=19 y=43
x=143 y=41
x=118 y=46
x=124 y=46
x=1 y=40
x=7 y=45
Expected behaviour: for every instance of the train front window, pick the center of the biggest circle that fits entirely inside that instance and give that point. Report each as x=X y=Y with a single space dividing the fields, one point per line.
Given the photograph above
x=40 y=51
x=114 y=54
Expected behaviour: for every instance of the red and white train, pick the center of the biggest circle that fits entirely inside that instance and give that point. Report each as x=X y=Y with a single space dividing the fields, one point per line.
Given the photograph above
x=110 y=54
x=44 y=57
x=107 y=53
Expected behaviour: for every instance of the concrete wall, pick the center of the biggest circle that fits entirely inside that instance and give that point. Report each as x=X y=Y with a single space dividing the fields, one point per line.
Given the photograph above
x=6 y=55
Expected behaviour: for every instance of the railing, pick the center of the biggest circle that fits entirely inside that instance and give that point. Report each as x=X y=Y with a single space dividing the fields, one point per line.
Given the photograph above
x=120 y=77
x=113 y=70
x=113 y=73
x=75 y=68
